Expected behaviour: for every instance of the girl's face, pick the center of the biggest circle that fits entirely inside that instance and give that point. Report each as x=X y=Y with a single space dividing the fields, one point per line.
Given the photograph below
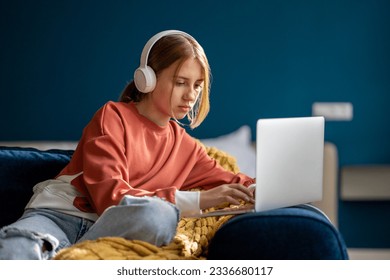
x=175 y=94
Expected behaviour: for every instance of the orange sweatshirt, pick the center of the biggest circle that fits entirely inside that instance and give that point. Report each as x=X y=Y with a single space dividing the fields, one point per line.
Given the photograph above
x=123 y=153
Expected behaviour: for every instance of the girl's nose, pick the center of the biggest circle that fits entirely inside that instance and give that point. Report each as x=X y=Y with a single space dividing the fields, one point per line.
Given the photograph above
x=191 y=94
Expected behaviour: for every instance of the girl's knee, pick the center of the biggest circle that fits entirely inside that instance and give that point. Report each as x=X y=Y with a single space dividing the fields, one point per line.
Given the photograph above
x=153 y=210
x=149 y=219
x=162 y=210
x=162 y=219
x=18 y=244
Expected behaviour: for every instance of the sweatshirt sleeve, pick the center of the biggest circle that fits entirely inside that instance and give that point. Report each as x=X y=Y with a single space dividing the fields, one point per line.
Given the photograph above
x=106 y=167
x=207 y=173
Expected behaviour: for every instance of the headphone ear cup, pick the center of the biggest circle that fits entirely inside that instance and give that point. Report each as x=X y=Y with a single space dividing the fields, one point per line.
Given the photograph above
x=145 y=79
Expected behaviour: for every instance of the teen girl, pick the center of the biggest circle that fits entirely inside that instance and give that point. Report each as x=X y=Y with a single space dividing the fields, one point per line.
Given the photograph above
x=134 y=164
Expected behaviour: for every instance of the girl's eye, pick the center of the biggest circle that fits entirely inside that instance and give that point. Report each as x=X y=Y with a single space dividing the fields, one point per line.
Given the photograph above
x=180 y=83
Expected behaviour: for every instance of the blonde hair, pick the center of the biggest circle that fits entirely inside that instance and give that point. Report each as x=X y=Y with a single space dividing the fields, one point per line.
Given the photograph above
x=166 y=51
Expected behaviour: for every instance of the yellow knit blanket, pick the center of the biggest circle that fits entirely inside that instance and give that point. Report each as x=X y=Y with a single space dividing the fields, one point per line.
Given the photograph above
x=190 y=242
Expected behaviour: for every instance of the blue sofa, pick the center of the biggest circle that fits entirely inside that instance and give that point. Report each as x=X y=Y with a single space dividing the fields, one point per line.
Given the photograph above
x=294 y=233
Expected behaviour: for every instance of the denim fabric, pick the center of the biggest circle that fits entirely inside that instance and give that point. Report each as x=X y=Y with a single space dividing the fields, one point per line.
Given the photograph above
x=149 y=219
x=41 y=233
x=24 y=238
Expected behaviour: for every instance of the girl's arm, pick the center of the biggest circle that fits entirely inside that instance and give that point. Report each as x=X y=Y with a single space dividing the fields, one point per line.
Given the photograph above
x=219 y=185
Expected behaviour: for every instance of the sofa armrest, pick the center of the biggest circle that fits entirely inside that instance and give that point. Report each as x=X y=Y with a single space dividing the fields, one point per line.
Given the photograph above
x=293 y=233
x=20 y=170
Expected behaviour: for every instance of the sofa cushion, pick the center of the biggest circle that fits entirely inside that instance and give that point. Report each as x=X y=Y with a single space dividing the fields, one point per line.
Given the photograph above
x=20 y=170
x=294 y=233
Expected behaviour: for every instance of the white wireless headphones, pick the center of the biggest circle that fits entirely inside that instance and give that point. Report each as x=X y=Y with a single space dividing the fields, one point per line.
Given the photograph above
x=144 y=75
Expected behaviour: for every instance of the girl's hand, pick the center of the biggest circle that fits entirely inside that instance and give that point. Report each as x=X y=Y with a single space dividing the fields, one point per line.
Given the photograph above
x=230 y=193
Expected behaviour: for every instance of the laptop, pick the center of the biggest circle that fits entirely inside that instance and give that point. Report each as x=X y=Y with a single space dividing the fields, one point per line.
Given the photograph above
x=289 y=165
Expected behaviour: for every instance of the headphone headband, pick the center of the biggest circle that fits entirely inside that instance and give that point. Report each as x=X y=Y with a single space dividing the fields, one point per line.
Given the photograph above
x=149 y=45
x=144 y=76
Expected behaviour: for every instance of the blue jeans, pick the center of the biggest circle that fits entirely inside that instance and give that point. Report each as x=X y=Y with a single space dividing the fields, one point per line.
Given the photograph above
x=41 y=233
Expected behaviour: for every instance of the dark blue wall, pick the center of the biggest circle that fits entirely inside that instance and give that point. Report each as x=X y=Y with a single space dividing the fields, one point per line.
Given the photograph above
x=61 y=60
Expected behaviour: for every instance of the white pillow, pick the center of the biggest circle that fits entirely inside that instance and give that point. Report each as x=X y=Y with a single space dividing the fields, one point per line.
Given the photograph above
x=238 y=144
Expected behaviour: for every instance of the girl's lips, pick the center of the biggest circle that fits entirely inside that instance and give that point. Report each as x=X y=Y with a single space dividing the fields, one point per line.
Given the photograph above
x=185 y=108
